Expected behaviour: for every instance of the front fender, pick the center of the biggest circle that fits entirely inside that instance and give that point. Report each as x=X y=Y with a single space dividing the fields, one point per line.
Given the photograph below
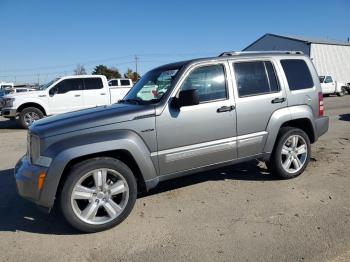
x=34 y=101
x=71 y=148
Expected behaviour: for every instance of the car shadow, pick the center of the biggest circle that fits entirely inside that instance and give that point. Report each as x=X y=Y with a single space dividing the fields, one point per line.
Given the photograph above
x=10 y=124
x=344 y=117
x=18 y=214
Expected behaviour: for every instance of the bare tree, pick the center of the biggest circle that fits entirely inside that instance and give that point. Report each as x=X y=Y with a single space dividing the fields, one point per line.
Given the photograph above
x=80 y=70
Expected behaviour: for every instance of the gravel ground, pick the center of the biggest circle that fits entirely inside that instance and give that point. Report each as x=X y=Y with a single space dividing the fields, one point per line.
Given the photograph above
x=236 y=213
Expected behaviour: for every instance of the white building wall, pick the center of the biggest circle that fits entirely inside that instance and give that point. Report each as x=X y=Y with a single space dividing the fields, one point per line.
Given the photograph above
x=332 y=60
x=269 y=42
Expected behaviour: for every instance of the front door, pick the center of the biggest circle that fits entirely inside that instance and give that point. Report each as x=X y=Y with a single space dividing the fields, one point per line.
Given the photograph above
x=66 y=96
x=199 y=135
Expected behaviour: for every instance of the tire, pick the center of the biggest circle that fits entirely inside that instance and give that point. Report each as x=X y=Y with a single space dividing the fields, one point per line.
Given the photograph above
x=281 y=157
x=342 y=92
x=29 y=115
x=76 y=211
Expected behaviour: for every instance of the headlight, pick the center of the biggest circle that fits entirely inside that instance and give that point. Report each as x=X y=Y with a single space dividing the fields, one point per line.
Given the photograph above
x=8 y=102
x=33 y=148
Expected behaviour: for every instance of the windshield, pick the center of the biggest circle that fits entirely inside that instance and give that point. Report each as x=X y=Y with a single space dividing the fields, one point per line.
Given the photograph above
x=321 y=78
x=45 y=86
x=152 y=86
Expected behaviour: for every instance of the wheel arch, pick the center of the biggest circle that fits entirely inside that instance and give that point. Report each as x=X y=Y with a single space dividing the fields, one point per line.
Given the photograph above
x=125 y=146
x=295 y=116
x=32 y=104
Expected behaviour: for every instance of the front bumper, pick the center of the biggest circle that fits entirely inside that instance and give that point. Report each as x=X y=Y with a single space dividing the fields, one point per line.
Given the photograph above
x=27 y=176
x=321 y=125
x=9 y=113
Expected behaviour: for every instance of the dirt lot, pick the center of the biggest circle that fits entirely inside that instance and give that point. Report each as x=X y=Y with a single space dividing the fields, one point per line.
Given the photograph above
x=236 y=213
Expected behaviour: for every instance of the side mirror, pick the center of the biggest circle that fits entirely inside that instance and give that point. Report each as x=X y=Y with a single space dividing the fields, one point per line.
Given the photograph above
x=188 y=98
x=53 y=91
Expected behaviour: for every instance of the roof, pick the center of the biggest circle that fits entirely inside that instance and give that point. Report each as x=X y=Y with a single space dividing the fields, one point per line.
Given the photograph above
x=307 y=40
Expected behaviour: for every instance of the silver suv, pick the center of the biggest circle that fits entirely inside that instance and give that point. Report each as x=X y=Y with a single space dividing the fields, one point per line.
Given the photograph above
x=199 y=114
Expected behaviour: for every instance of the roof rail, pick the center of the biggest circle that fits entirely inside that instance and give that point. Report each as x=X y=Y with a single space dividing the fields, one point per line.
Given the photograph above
x=235 y=53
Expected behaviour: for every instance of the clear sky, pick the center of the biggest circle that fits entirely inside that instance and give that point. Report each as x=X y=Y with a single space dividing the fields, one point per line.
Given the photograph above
x=49 y=38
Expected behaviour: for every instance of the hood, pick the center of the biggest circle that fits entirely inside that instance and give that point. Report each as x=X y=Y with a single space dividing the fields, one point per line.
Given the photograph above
x=89 y=118
x=27 y=94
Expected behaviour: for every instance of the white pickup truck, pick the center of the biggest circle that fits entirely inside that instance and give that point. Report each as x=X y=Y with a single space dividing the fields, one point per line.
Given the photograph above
x=329 y=86
x=61 y=95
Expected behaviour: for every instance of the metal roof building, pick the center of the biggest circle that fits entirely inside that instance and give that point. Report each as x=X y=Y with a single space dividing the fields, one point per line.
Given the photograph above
x=330 y=57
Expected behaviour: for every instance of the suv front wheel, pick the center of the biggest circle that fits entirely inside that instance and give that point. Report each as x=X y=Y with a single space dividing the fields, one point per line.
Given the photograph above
x=98 y=194
x=291 y=154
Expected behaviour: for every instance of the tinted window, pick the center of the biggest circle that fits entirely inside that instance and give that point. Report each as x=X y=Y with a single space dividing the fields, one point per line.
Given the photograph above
x=113 y=83
x=124 y=82
x=21 y=90
x=67 y=85
x=297 y=73
x=328 y=79
x=254 y=78
x=209 y=81
x=321 y=78
x=92 y=83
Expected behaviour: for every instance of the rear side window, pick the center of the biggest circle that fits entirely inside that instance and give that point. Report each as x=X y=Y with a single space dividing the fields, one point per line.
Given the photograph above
x=297 y=73
x=113 y=83
x=255 y=78
x=92 y=83
x=124 y=82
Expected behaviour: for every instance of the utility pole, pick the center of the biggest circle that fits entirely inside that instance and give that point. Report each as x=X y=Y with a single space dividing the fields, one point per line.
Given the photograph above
x=136 y=60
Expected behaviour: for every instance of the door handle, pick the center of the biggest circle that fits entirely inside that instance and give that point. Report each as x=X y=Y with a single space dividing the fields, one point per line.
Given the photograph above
x=225 y=109
x=103 y=94
x=278 y=100
x=76 y=95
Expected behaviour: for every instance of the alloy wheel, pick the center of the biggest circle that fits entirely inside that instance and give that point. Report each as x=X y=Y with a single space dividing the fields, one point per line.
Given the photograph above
x=100 y=196
x=294 y=153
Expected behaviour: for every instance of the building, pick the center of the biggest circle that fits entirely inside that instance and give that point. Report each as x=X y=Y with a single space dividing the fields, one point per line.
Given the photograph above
x=329 y=57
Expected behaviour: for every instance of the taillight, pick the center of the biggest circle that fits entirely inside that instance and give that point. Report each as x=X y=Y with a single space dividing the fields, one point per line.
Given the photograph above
x=320 y=104
x=155 y=93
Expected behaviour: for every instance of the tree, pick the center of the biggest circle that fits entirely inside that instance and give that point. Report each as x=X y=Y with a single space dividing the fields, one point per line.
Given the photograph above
x=132 y=75
x=108 y=72
x=80 y=70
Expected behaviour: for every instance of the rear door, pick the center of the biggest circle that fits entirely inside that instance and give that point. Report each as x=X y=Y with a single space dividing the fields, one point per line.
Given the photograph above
x=258 y=94
x=94 y=94
x=66 y=96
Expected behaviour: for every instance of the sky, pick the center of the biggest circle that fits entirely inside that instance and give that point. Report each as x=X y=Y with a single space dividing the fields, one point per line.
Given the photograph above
x=43 y=39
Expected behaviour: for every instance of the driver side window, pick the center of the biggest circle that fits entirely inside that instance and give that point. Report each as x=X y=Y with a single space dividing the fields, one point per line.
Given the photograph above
x=209 y=81
x=67 y=85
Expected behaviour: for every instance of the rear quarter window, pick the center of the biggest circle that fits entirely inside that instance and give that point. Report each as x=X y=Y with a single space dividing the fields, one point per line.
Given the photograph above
x=297 y=73
x=124 y=82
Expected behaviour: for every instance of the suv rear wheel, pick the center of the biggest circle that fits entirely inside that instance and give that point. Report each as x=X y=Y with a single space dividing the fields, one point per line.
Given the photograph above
x=291 y=154
x=29 y=115
x=98 y=194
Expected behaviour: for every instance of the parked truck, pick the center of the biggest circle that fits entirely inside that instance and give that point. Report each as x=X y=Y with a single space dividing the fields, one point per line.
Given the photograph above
x=329 y=86
x=61 y=95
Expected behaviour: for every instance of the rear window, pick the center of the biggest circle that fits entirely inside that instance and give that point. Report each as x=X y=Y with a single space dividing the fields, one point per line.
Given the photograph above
x=297 y=73
x=124 y=82
x=92 y=83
